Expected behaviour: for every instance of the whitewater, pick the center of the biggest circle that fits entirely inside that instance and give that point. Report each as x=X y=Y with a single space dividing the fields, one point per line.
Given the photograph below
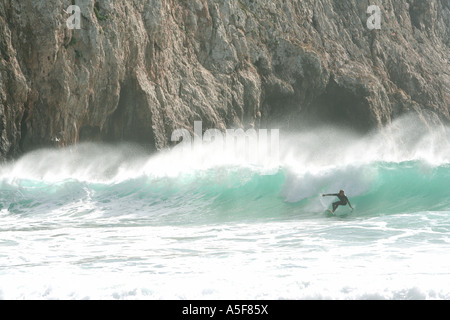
x=98 y=221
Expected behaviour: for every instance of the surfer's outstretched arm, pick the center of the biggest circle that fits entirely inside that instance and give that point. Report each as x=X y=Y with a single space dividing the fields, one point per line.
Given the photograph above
x=329 y=194
x=349 y=203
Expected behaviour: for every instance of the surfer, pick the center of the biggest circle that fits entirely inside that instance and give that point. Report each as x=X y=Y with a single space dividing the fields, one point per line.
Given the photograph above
x=343 y=200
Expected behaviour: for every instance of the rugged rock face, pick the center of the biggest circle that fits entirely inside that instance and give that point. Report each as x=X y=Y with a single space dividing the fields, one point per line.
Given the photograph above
x=138 y=69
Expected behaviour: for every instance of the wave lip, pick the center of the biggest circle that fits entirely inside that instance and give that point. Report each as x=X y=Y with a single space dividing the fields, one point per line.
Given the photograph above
x=315 y=151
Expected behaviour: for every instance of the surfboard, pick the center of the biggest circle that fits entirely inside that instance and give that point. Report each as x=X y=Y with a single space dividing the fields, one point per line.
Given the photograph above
x=339 y=214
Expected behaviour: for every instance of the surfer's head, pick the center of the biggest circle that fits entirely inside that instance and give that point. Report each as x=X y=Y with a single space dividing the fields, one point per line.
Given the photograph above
x=341 y=192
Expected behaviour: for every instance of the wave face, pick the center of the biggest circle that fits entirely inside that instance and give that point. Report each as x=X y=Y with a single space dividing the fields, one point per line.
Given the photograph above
x=115 y=208
x=405 y=171
x=241 y=193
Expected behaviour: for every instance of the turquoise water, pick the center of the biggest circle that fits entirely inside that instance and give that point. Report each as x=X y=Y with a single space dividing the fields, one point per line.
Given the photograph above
x=111 y=222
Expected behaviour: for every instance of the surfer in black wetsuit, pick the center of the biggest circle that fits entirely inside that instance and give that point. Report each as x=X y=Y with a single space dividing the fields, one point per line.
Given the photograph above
x=343 y=200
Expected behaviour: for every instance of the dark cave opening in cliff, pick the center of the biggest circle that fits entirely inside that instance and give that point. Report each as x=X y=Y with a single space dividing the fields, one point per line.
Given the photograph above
x=131 y=121
x=341 y=107
x=89 y=133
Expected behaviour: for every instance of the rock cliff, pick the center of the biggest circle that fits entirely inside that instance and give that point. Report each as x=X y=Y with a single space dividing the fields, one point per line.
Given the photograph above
x=138 y=69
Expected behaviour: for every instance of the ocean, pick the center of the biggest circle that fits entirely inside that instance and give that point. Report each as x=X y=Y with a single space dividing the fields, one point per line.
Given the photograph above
x=99 y=221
